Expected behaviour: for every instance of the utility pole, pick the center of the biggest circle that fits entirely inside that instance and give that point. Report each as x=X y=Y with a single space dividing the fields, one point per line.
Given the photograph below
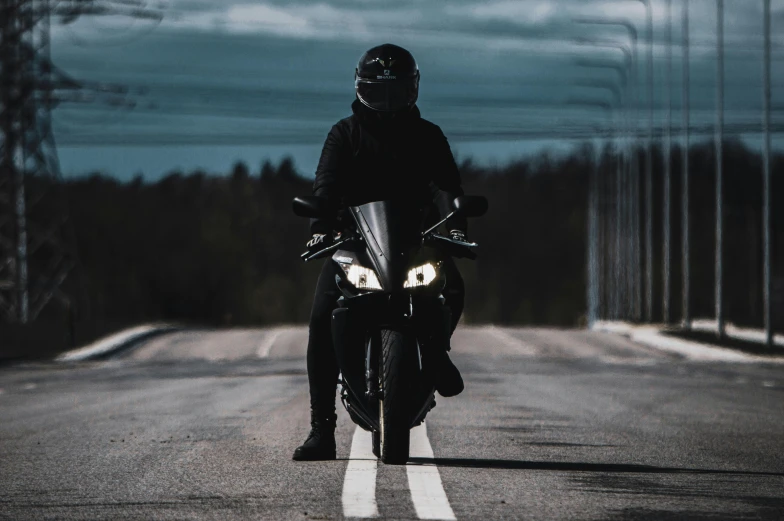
x=618 y=294
x=36 y=248
x=649 y=175
x=667 y=173
x=593 y=239
x=719 y=168
x=685 y=283
x=628 y=254
x=766 y=181
x=619 y=95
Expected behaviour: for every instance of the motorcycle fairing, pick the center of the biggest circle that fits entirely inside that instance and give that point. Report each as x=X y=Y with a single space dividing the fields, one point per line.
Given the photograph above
x=392 y=231
x=391 y=244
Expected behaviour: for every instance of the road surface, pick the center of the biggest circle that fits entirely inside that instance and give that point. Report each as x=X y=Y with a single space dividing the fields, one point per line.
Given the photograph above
x=554 y=424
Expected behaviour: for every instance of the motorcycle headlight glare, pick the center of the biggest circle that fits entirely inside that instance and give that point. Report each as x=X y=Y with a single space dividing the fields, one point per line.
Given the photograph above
x=361 y=277
x=420 y=276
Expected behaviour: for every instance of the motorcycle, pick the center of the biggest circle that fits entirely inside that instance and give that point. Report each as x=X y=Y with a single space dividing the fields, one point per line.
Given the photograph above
x=391 y=314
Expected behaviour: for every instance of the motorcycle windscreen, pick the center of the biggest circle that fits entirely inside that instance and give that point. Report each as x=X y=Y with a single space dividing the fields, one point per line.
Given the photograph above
x=393 y=232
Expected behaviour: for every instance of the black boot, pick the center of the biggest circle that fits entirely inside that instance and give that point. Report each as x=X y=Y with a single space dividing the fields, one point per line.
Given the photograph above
x=320 y=444
x=448 y=380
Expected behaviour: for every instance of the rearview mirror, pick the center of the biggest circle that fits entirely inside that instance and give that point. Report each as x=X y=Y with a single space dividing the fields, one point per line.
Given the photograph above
x=310 y=206
x=470 y=205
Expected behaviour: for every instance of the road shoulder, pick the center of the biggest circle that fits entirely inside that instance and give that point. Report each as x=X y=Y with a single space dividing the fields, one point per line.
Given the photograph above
x=117 y=342
x=657 y=337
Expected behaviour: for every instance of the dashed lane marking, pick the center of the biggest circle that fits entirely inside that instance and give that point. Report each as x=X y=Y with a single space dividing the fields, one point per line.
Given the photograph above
x=427 y=491
x=266 y=345
x=359 y=486
x=510 y=341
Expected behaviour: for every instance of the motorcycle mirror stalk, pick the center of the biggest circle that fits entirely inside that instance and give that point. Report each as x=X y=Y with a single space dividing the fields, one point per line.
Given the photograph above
x=465 y=205
x=470 y=205
x=310 y=206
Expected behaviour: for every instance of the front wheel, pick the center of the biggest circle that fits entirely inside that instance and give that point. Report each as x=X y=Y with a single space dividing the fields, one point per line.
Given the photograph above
x=396 y=348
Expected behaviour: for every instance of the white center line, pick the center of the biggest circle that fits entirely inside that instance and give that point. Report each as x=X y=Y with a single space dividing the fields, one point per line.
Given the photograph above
x=264 y=347
x=359 y=487
x=427 y=491
x=510 y=341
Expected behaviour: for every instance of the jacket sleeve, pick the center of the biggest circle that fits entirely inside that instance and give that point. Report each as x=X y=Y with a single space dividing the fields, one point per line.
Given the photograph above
x=328 y=181
x=446 y=183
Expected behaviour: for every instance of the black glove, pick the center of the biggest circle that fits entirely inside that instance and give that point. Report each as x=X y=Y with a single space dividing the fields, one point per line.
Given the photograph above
x=458 y=235
x=319 y=241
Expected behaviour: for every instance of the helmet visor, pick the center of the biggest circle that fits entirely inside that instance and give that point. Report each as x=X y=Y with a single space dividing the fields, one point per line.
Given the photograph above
x=387 y=96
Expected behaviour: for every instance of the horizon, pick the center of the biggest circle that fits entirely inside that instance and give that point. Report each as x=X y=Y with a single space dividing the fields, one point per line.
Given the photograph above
x=542 y=153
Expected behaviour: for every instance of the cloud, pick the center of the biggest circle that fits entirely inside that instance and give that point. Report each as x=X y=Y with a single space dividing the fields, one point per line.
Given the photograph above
x=536 y=12
x=250 y=17
x=542 y=25
x=301 y=20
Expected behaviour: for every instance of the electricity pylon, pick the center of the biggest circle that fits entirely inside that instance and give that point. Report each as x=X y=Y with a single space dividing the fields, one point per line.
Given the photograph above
x=37 y=250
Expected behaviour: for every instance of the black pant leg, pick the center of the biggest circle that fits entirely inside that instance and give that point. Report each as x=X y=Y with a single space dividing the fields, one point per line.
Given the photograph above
x=454 y=291
x=322 y=365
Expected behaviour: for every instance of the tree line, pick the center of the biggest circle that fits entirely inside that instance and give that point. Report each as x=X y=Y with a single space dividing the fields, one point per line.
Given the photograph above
x=223 y=250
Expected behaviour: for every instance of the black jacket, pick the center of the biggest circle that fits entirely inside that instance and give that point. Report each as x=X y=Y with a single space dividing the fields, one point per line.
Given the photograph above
x=365 y=159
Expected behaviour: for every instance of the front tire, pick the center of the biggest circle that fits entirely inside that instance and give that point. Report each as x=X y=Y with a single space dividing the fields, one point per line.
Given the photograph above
x=394 y=419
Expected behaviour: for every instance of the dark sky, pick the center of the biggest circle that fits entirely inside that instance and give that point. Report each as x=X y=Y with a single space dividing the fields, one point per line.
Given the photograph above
x=217 y=82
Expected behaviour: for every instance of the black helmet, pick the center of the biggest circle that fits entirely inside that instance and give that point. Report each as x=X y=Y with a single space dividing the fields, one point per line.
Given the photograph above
x=387 y=78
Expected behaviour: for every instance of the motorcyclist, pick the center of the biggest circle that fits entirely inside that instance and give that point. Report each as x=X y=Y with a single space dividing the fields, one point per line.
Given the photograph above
x=385 y=150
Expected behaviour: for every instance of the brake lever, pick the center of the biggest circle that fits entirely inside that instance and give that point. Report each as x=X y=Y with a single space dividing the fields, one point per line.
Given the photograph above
x=451 y=240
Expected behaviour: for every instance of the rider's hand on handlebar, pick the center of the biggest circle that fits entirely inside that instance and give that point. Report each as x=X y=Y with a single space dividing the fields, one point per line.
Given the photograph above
x=458 y=235
x=319 y=241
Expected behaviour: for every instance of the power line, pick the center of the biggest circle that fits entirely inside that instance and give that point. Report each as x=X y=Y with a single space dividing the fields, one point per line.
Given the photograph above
x=575 y=131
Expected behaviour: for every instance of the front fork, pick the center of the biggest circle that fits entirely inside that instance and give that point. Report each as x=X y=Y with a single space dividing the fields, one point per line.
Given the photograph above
x=372 y=380
x=431 y=327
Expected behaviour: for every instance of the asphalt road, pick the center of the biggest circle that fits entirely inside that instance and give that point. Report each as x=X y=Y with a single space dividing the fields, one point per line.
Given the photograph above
x=554 y=424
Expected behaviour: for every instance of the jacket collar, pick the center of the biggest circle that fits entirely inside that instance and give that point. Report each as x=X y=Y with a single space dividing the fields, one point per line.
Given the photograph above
x=371 y=120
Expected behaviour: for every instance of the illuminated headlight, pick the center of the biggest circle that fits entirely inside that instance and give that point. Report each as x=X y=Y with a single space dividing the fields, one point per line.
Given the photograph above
x=361 y=277
x=420 y=276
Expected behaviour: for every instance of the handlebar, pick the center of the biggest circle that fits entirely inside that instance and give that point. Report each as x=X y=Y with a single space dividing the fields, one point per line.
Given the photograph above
x=453 y=247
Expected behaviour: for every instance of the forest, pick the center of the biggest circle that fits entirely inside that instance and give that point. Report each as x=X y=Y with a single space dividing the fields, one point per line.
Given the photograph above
x=220 y=250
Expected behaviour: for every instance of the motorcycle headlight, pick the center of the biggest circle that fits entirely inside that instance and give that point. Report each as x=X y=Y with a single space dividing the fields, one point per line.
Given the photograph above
x=420 y=276
x=361 y=277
